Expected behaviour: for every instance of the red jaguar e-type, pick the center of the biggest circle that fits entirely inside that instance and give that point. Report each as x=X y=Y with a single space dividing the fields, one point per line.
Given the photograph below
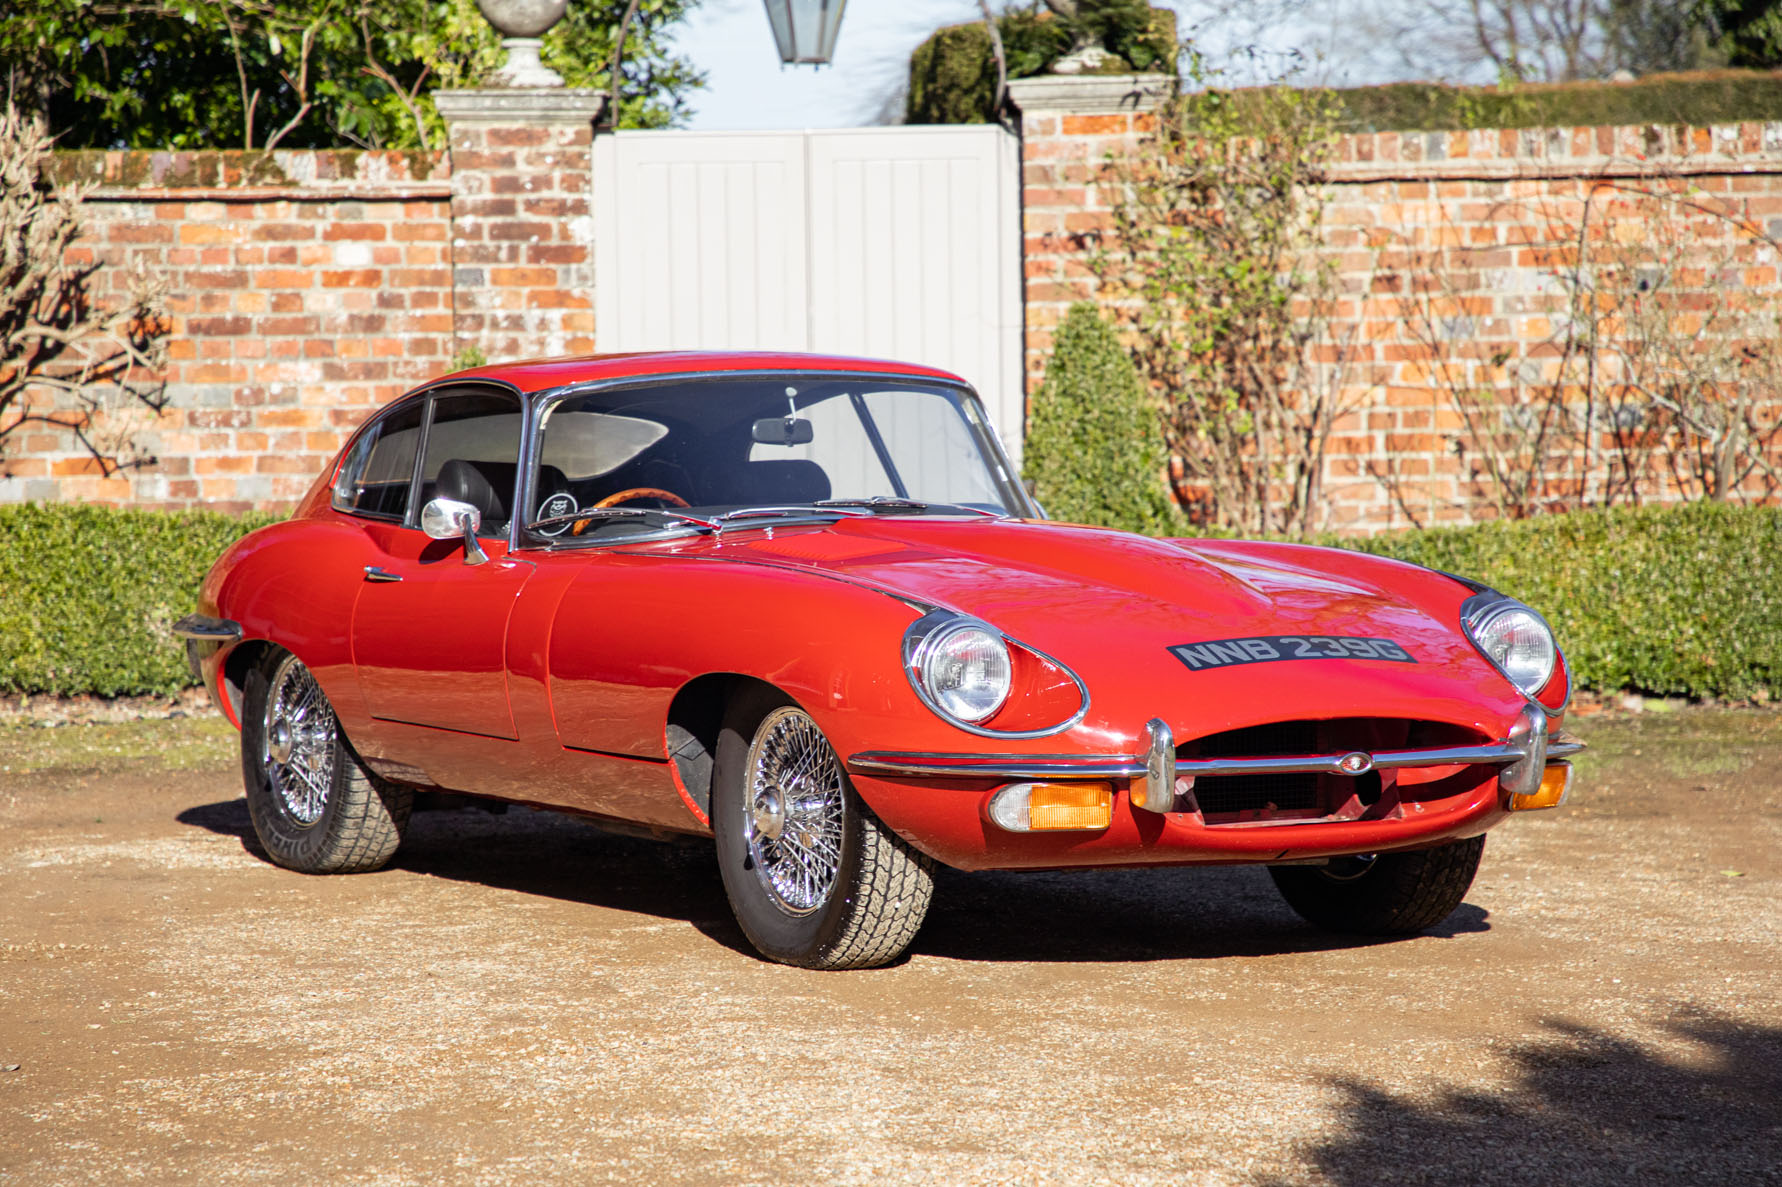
x=802 y=605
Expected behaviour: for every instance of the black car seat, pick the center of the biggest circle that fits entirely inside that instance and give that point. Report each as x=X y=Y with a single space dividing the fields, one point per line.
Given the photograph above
x=487 y=486
x=791 y=481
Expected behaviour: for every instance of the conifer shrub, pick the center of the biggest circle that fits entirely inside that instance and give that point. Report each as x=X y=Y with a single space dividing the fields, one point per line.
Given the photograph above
x=1094 y=449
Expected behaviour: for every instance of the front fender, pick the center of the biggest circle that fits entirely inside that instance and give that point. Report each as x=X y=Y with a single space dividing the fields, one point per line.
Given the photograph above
x=632 y=630
x=292 y=584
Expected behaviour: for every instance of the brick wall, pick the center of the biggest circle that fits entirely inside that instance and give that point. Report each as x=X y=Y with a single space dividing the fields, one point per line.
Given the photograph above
x=523 y=236
x=304 y=288
x=307 y=289
x=1485 y=205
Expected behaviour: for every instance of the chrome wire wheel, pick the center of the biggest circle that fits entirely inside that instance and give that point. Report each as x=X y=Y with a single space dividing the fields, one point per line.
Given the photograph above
x=792 y=812
x=297 y=745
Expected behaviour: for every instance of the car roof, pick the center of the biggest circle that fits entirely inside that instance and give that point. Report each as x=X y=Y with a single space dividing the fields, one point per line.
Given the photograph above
x=536 y=375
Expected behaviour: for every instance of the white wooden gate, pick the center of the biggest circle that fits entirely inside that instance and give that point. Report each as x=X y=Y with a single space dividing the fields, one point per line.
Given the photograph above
x=897 y=243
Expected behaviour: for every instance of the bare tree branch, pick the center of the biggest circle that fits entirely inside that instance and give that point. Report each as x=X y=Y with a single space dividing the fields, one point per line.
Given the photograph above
x=299 y=85
x=67 y=360
x=407 y=96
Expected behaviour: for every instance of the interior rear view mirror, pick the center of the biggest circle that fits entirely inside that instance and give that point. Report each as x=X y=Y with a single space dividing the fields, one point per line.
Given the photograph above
x=783 y=430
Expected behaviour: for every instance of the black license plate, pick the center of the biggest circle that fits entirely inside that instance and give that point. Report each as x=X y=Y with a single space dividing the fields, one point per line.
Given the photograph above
x=1268 y=649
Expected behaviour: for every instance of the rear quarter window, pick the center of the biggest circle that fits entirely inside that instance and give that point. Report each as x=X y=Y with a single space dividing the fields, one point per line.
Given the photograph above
x=375 y=478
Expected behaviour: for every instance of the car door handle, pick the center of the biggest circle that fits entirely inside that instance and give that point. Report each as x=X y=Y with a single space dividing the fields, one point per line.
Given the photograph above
x=373 y=573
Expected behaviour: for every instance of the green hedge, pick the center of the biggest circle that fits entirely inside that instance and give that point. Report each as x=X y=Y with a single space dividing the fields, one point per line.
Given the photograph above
x=87 y=594
x=952 y=76
x=1716 y=97
x=1672 y=600
x=1676 y=600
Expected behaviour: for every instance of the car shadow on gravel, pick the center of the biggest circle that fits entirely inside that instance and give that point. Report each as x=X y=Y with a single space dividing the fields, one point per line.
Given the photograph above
x=1582 y=1107
x=1078 y=915
x=1164 y=913
x=227 y=818
x=550 y=854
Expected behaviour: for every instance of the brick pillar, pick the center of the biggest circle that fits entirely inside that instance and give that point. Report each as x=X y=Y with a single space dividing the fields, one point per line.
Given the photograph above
x=522 y=231
x=1070 y=123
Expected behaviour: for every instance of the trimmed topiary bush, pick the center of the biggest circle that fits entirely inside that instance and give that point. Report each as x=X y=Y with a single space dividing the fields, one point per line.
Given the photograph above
x=953 y=72
x=1094 y=448
x=1671 y=600
x=87 y=594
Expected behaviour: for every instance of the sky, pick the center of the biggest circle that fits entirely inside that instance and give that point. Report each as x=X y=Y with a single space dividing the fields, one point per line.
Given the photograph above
x=748 y=89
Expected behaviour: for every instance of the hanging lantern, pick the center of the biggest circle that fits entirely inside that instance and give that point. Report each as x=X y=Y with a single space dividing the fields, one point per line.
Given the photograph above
x=805 y=30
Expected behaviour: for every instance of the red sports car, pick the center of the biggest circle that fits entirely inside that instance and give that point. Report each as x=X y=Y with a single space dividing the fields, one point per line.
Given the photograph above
x=803 y=606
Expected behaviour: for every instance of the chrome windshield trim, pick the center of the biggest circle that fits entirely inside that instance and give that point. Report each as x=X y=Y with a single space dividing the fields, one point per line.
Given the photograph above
x=206 y=629
x=1123 y=766
x=538 y=401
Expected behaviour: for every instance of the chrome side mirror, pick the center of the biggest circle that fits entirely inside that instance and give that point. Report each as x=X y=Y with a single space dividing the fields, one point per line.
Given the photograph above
x=448 y=519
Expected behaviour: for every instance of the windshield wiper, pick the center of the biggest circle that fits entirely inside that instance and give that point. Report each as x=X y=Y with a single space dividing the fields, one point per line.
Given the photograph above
x=876 y=505
x=591 y=513
x=805 y=510
x=891 y=504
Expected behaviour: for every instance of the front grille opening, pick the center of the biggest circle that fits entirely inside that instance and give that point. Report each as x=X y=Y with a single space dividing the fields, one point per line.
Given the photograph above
x=1229 y=798
x=1337 y=735
x=1221 y=795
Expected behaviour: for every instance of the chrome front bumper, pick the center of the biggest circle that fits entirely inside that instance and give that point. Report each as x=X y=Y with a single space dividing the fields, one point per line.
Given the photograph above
x=1159 y=767
x=204 y=635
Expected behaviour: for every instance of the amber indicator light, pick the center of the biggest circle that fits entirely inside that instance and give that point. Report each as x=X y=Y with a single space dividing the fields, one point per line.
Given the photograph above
x=1555 y=782
x=1070 y=805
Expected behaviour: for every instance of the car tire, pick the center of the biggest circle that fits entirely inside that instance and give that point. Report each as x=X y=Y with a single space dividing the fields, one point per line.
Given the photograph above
x=1391 y=894
x=315 y=807
x=813 y=877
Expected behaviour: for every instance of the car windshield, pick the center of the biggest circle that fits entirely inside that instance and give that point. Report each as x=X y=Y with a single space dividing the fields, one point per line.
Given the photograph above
x=693 y=453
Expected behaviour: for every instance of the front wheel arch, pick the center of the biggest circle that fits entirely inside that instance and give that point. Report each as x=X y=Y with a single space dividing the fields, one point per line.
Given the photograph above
x=243 y=658
x=695 y=717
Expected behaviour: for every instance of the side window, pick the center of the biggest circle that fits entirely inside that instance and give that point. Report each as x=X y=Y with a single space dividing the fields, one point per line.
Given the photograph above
x=374 y=480
x=473 y=454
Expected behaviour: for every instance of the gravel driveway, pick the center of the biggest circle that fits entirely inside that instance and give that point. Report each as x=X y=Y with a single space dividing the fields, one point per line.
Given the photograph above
x=522 y=999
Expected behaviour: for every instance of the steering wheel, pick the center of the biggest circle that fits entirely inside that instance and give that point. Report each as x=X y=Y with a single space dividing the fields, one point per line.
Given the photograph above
x=625 y=496
x=642 y=492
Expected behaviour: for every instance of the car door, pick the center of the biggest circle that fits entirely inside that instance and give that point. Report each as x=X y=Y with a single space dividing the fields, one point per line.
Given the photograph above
x=429 y=630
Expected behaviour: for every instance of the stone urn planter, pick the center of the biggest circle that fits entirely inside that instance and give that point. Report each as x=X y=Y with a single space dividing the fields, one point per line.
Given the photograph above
x=522 y=24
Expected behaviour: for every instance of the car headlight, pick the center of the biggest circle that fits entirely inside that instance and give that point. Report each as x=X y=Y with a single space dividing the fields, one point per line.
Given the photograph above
x=963 y=669
x=1513 y=637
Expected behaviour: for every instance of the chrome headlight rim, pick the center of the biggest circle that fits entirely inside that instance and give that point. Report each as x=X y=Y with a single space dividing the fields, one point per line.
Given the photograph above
x=918 y=658
x=935 y=625
x=1480 y=610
